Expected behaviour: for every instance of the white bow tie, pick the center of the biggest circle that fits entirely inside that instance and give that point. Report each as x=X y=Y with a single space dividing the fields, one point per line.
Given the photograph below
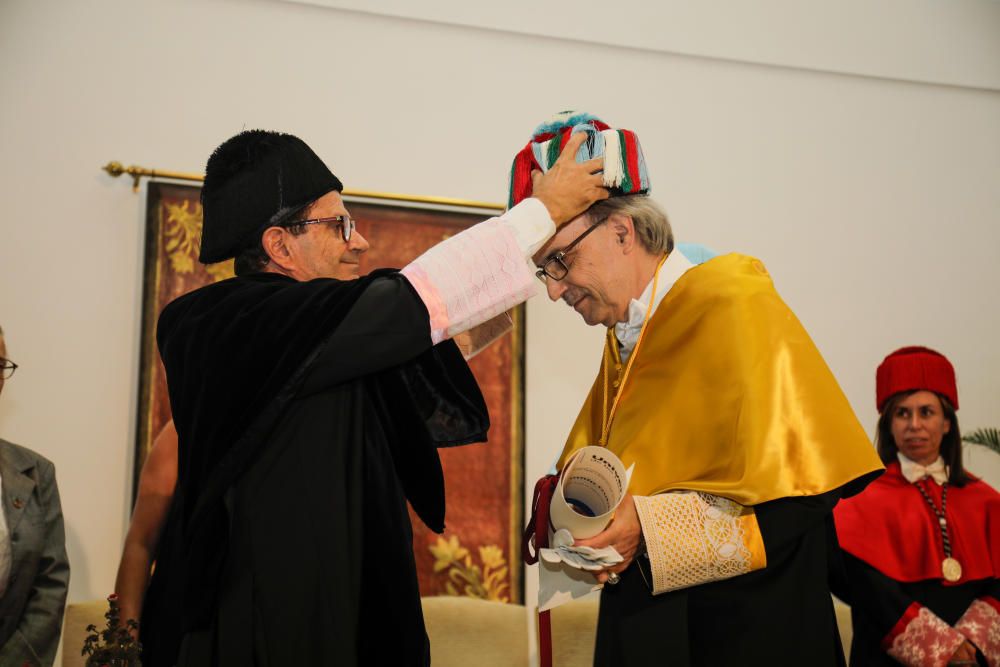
x=914 y=472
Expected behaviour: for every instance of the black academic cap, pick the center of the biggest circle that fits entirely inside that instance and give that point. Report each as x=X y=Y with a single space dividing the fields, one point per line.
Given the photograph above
x=252 y=181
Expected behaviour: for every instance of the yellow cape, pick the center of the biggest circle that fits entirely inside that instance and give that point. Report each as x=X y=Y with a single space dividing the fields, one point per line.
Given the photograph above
x=728 y=395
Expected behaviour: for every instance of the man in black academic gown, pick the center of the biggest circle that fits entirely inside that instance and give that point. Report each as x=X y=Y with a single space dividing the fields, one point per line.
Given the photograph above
x=309 y=403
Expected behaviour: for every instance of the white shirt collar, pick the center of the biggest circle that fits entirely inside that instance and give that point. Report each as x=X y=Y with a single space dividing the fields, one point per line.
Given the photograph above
x=914 y=472
x=628 y=332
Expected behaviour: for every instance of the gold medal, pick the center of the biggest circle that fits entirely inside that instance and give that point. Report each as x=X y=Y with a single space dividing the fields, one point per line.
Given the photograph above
x=951 y=569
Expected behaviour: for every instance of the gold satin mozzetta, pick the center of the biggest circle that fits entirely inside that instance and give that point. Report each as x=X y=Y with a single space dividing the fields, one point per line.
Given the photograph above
x=608 y=415
x=727 y=395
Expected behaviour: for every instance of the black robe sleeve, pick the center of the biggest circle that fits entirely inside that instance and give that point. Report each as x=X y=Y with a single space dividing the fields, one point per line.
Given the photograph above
x=882 y=599
x=426 y=396
x=385 y=327
x=784 y=612
x=879 y=602
x=783 y=522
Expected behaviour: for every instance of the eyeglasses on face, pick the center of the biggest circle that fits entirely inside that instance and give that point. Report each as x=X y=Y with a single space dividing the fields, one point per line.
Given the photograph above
x=7 y=368
x=345 y=222
x=555 y=267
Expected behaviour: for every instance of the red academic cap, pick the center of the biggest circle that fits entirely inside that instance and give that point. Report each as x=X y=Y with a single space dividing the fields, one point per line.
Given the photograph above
x=915 y=368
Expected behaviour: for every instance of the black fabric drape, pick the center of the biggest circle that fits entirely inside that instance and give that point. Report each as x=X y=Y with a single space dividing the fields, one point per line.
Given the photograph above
x=235 y=353
x=231 y=349
x=350 y=434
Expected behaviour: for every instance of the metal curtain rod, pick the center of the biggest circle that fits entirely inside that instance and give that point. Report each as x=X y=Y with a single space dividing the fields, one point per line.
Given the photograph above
x=137 y=173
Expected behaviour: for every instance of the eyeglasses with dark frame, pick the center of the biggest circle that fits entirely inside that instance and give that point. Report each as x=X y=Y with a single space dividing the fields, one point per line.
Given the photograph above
x=346 y=223
x=7 y=368
x=555 y=267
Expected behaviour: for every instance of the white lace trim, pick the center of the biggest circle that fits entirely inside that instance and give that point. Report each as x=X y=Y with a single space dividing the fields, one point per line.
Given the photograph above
x=927 y=641
x=692 y=538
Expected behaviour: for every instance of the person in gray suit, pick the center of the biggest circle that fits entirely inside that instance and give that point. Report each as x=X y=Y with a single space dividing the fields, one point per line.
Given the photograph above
x=34 y=570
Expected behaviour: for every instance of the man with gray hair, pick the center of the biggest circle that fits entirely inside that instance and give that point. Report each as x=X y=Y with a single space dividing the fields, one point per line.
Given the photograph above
x=650 y=239
x=741 y=439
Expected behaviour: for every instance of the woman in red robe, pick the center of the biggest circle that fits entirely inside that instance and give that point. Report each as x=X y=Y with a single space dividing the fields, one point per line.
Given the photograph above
x=920 y=546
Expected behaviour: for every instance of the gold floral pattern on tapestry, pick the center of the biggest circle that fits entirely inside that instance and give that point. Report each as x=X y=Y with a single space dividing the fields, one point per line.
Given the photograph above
x=464 y=577
x=182 y=231
x=220 y=271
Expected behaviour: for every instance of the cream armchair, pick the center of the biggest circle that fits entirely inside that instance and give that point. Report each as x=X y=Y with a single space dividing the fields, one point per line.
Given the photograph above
x=462 y=631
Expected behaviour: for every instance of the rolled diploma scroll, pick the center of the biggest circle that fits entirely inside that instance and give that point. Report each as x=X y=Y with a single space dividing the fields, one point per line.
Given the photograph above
x=594 y=482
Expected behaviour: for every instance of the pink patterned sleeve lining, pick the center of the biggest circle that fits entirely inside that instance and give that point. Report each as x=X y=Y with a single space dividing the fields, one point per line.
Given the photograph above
x=436 y=310
x=981 y=625
x=478 y=274
x=921 y=639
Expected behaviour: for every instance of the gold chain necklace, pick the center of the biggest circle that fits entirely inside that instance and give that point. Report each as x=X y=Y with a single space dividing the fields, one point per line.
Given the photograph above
x=951 y=569
x=606 y=415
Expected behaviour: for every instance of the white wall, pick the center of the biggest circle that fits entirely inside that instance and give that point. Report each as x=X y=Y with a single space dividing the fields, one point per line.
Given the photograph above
x=952 y=43
x=873 y=202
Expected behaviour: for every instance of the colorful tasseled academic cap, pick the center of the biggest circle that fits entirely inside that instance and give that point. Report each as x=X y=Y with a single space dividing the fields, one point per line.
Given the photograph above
x=624 y=164
x=915 y=368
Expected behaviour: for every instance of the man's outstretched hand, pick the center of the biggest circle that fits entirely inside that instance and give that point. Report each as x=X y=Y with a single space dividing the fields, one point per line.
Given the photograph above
x=569 y=188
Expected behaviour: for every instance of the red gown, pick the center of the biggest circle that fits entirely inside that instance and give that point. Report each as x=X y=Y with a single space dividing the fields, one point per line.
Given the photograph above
x=903 y=610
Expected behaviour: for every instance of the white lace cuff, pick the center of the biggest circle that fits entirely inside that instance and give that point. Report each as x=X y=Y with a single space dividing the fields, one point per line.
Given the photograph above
x=478 y=274
x=693 y=538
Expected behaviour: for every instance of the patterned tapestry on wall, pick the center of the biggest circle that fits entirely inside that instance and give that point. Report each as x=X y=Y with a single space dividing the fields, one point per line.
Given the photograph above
x=478 y=555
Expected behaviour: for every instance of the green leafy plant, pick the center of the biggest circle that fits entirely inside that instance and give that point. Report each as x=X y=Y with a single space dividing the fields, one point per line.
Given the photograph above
x=116 y=645
x=987 y=437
